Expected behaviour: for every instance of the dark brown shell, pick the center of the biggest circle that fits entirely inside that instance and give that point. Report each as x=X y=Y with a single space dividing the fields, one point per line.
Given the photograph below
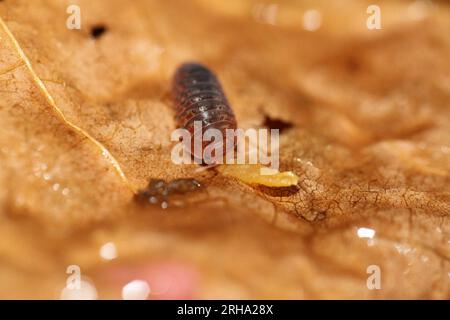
x=198 y=96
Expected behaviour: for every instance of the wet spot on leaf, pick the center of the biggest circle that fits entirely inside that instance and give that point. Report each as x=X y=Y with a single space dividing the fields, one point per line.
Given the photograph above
x=159 y=191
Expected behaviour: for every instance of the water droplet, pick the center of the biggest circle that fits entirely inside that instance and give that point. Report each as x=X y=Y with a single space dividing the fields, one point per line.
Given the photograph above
x=65 y=191
x=366 y=233
x=86 y=291
x=402 y=249
x=108 y=251
x=153 y=200
x=47 y=176
x=312 y=20
x=136 y=290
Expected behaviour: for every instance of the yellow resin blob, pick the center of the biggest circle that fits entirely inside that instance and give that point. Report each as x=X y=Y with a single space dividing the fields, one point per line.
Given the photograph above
x=257 y=174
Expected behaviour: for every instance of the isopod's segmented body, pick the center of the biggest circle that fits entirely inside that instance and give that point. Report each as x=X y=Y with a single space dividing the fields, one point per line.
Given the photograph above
x=198 y=96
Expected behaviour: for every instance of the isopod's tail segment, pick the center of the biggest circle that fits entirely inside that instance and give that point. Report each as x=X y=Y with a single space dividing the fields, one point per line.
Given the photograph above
x=199 y=99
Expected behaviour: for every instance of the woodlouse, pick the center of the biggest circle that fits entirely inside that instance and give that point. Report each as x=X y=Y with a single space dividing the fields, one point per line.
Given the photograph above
x=198 y=96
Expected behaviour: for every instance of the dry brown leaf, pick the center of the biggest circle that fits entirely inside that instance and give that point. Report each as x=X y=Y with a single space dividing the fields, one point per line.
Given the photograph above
x=85 y=122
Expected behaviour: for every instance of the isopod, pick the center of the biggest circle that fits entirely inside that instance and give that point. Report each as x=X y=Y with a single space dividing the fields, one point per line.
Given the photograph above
x=198 y=97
